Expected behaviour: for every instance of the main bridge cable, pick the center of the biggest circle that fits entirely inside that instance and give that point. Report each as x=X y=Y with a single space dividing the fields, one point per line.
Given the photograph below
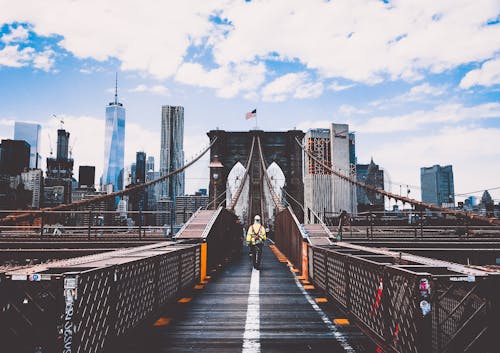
x=275 y=198
x=398 y=197
x=98 y=199
x=237 y=194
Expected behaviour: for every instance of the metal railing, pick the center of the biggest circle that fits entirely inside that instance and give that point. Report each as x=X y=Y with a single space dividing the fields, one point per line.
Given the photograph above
x=289 y=236
x=84 y=305
x=92 y=225
x=408 y=307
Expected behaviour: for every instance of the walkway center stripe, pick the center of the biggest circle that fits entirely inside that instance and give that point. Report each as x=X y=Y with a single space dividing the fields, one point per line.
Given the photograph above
x=251 y=337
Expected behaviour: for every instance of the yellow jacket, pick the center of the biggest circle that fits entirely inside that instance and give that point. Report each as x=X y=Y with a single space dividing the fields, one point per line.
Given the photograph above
x=256 y=234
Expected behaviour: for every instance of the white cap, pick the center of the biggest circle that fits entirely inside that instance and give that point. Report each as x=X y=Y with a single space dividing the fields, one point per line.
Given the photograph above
x=257 y=218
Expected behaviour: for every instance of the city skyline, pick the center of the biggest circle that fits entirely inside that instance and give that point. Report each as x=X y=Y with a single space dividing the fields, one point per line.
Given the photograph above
x=410 y=105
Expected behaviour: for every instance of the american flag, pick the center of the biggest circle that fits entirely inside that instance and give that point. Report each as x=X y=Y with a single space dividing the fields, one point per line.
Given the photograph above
x=251 y=114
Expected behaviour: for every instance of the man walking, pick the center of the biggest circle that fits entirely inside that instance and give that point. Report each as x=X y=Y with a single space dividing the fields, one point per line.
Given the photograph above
x=256 y=237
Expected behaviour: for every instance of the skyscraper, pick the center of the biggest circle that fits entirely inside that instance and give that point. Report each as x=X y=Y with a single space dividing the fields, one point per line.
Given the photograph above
x=114 y=143
x=372 y=175
x=150 y=164
x=31 y=134
x=33 y=181
x=343 y=157
x=140 y=168
x=172 y=149
x=14 y=157
x=323 y=190
x=317 y=179
x=61 y=167
x=86 y=176
x=59 y=181
x=437 y=186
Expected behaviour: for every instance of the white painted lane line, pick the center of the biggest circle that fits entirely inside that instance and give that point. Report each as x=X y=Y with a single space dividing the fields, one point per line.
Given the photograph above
x=251 y=336
x=331 y=326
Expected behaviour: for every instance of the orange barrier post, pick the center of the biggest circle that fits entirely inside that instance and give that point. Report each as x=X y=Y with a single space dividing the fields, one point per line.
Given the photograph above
x=305 y=262
x=203 y=262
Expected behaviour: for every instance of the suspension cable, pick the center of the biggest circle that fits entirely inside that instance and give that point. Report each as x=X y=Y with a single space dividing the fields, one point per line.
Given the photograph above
x=397 y=197
x=98 y=199
x=237 y=194
x=274 y=197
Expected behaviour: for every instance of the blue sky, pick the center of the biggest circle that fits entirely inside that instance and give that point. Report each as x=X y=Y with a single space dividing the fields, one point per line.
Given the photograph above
x=419 y=81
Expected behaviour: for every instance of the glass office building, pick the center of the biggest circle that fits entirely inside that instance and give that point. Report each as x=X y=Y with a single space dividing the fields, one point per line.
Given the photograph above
x=31 y=134
x=437 y=185
x=114 y=145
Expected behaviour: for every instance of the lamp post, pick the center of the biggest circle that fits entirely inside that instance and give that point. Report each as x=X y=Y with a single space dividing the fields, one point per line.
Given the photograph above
x=215 y=176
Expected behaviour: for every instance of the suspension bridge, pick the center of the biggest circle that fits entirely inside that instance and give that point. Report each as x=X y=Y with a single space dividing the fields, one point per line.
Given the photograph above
x=381 y=288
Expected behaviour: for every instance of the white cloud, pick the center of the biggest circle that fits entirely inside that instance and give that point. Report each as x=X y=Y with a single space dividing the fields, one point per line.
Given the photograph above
x=7 y=122
x=16 y=35
x=296 y=85
x=348 y=110
x=446 y=113
x=314 y=124
x=148 y=36
x=337 y=87
x=487 y=75
x=12 y=56
x=358 y=40
x=420 y=92
x=228 y=81
x=154 y=89
x=364 y=41
x=463 y=147
x=44 y=60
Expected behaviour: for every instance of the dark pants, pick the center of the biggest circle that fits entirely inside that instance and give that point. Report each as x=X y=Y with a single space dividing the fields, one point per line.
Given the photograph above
x=256 y=251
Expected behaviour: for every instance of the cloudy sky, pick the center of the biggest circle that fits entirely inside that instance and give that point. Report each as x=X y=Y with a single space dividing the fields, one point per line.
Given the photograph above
x=419 y=81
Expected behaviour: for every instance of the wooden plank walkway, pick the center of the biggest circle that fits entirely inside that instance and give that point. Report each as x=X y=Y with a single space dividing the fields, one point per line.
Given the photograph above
x=250 y=311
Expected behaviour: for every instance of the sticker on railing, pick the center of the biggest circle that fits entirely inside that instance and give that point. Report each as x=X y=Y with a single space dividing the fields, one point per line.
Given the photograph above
x=378 y=297
x=463 y=279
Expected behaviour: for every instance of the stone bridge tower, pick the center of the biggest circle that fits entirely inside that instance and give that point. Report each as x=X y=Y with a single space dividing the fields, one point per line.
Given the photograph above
x=279 y=147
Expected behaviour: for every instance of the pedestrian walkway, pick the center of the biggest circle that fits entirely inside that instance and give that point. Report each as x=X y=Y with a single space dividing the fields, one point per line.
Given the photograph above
x=245 y=310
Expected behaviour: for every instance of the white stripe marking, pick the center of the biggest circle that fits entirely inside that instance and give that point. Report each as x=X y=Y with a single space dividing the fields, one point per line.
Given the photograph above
x=251 y=337
x=339 y=336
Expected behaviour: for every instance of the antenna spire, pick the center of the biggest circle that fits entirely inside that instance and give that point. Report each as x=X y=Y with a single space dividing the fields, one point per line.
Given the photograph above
x=116 y=88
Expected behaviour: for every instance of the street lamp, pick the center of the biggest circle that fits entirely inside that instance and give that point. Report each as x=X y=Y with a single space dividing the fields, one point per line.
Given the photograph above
x=215 y=175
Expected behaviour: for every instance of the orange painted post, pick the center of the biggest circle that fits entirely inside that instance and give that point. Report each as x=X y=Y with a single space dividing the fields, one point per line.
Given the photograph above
x=305 y=261
x=203 y=262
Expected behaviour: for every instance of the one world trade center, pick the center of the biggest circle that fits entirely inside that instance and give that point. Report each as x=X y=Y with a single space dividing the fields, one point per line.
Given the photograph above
x=114 y=144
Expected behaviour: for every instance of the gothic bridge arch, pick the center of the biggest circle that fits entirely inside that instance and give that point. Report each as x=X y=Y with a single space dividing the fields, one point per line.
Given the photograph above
x=280 y=147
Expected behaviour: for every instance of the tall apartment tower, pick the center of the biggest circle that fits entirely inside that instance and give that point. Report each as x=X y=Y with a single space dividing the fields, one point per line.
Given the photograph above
x=14 y=157
x=323 y=190
x=317 y=178
x=140 y=168
x=437 y=185
x=114 y=143
x=31 y=134
x=150 y=164
x=33 y=180
x=172 y=150
x=343 y=161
